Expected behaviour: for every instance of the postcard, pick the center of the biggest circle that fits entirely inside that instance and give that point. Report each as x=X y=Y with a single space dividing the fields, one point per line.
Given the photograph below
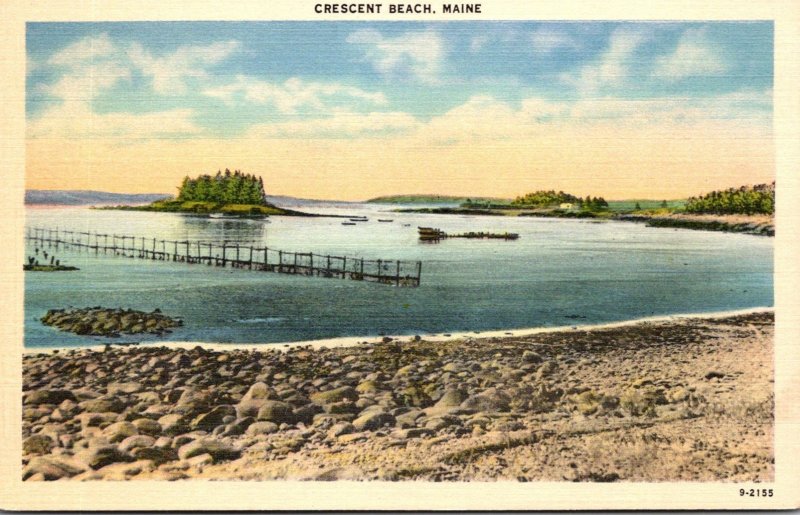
x=427 y=256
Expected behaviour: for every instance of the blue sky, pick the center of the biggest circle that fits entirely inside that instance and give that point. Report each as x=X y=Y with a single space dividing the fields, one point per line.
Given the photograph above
x=399 y=82
x=423 y=69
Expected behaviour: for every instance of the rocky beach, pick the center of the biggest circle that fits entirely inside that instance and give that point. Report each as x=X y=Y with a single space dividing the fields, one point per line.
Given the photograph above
x=684 y=399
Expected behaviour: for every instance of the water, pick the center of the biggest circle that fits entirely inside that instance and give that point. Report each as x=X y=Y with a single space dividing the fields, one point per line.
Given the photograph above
x=560 y=272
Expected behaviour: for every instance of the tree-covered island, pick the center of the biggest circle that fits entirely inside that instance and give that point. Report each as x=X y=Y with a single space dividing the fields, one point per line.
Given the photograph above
x=229 y=193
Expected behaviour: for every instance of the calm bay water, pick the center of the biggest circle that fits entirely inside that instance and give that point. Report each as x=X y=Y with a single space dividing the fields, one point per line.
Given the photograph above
x=560 y=272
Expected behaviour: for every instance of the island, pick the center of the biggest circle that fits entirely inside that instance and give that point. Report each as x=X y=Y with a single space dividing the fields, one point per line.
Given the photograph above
x=744 y=209
x=234 y=194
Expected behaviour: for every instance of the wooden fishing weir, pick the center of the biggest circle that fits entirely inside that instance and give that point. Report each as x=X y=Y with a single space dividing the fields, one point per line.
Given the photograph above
x=233 y=254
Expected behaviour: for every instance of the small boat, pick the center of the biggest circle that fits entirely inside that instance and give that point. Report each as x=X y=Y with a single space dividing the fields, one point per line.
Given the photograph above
x=385 y=220
x=359 y=219
x=348 y=223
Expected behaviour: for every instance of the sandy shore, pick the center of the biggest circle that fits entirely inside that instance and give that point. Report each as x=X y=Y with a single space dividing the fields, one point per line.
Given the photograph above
x=352 y=341
x=671 y=399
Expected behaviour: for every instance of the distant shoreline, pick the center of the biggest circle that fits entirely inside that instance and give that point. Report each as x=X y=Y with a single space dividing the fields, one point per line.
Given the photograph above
x=758 y=225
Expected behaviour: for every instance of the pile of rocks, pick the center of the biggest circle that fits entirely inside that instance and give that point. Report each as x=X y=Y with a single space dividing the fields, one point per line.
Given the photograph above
x=167 y=413
x=98 y=321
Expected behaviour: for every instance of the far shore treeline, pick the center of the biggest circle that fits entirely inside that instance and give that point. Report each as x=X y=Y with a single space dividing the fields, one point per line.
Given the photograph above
x=749 y=200
x=226 y=188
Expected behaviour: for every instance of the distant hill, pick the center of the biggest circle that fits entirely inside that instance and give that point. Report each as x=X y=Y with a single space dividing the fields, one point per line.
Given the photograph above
x=432 y=199
x=88 y=198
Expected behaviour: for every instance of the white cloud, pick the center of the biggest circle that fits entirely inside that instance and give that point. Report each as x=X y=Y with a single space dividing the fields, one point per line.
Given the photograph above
x=546 y=40
x=77 y=121
x=86 y=82
x=169 y=72
x=694 y=57
x=85 y=50
x=415 y=54
x=343 y=124
x=290 y=95
x=612 y=67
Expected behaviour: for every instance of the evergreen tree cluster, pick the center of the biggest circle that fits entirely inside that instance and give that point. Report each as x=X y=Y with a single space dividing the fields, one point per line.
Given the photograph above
x=593 y=203
x=544 y=198
x=548 y=198
x=225 y=188
x=758 y=199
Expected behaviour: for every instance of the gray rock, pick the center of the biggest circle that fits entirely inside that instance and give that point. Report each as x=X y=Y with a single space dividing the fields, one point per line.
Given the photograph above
x=37 y=444
x=276 y=411
x=489 y=400
x=51 y=468
x=305 y=414
x=158 y=455
x=252 y=401
x=173 y=424
x=123 y=388
x=262 y=428
x=119 y=431
x=136 y=441
x=147 y=426
x=102 y=405
x=208 y=421
x=96 y=419
x=531 y=357
x=99 y=456
x=48 y=397
x=217 y=449
x=373 y=421
x=336 y=395
x=341 y=428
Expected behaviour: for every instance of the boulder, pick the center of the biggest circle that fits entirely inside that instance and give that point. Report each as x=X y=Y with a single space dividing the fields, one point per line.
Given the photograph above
x=51 y=468
x=158 y=455
x=103 y=405
x=123 y=388
x=99 y=456
x=373 y=421
x=147 y=426
x=119 y=431
x=136 y=441
x=336 y=395
x=276 y=411
x=252 y=401
x=488 y=401
x=173 y=424
x=262 y=428
x=47 y=397
x=208 y=421
x=217 y=449
x=37 y=444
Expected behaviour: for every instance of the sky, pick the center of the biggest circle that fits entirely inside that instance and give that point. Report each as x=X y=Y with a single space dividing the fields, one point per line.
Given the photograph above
x=353 y=110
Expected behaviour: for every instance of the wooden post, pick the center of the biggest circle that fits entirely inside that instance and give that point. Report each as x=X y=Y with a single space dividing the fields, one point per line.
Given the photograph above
x=237 y=255
x=280 y=261
x=266 y=261
x=419 y=271
x=224 y=258
x=397 y=275
x=362 y=269
x=251 y=257
x=380 y=264
x=175 y=254
x=344 y=267
x=295 y=263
